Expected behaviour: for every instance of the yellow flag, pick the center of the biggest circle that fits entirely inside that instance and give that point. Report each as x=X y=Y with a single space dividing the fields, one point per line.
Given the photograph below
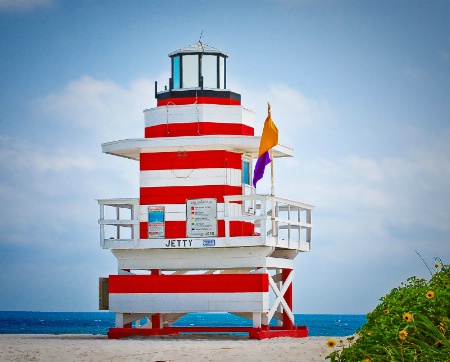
x=269 y=136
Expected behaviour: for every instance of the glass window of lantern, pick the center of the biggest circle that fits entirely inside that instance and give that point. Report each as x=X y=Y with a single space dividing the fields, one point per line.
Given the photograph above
x=176 y=73
x=209 y=71
x=190 y=71
x=222 y=84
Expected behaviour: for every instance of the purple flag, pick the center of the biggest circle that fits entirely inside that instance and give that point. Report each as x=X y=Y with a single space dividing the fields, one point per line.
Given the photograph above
x=261 y=164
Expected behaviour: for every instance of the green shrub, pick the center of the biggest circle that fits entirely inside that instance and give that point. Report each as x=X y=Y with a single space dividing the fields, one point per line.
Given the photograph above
x=412 y=323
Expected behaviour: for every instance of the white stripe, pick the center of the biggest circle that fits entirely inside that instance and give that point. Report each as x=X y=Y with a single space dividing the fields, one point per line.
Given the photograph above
x=188 y=302
x=193 y=113
x=191 y=177
x=177 y=212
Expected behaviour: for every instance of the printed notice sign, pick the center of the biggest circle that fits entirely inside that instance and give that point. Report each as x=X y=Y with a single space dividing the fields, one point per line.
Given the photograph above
x=201 y=218
x=156 y=225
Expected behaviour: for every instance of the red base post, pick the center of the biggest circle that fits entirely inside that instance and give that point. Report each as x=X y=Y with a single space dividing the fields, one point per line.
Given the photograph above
x=287 y=323
x=253 y=333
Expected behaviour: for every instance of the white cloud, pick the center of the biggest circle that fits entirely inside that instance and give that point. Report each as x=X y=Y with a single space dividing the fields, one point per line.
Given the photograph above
x=21 y=155
x=407 y=189
x=292 y=111
x=47 y=191
x=104 y=109
x=366 y=169
x=24 y=5
x=91 y=112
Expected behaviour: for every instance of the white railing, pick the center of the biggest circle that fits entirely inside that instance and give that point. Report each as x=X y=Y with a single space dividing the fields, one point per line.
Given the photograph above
x=116 y=226
x=276 y=219
x=278 y=222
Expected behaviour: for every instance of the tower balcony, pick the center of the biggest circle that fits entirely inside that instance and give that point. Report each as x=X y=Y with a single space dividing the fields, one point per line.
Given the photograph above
x=279 y=223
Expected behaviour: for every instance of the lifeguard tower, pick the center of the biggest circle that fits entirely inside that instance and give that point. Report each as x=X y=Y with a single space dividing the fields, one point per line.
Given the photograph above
x=199 y=238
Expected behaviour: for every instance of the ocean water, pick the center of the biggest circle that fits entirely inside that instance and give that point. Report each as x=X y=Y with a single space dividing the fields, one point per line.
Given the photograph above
x=99 y=322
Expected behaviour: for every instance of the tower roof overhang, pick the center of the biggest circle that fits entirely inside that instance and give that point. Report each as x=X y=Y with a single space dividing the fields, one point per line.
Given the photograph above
x=132 y=148
x=198 y=48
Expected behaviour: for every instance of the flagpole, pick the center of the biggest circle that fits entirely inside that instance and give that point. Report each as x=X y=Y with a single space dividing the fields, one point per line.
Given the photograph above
x=272 y=185
x=272 y=188
x=272 y=193
x=272 y=182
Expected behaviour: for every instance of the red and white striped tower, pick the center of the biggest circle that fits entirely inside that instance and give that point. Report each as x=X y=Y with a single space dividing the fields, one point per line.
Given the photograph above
x=199 y=239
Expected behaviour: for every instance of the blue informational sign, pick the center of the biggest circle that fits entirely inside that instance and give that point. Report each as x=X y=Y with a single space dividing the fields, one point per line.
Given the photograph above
x=156 y=222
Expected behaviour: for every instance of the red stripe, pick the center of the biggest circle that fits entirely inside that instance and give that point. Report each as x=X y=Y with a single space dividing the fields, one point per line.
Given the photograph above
x=177 y=229
x=173 y=229
x=179 y=194
x=198 y=100
x=198 y=129
x=288 y=298
x=253 y=333
x=210 y=283
x=190 y=160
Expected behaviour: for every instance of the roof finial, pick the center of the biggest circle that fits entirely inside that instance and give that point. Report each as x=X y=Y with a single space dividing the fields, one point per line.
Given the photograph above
x=200 y=41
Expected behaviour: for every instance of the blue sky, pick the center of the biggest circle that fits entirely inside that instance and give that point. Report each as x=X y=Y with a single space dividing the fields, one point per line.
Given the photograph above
x=360 y=90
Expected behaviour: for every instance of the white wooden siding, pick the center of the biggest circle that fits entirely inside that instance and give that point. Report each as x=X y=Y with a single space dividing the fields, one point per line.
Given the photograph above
x=188 y=302
x=198 y=113
x=191 y=177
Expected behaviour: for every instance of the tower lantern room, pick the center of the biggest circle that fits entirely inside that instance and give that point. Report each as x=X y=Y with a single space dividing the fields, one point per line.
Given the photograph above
x=198 y=66
x=199 y=238
x=198 y=75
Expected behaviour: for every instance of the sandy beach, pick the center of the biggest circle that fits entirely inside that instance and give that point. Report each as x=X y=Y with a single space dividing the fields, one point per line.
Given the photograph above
x=29 y=347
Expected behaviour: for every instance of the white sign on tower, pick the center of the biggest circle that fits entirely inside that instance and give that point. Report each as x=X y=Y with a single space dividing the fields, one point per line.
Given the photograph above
x=201 y=218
